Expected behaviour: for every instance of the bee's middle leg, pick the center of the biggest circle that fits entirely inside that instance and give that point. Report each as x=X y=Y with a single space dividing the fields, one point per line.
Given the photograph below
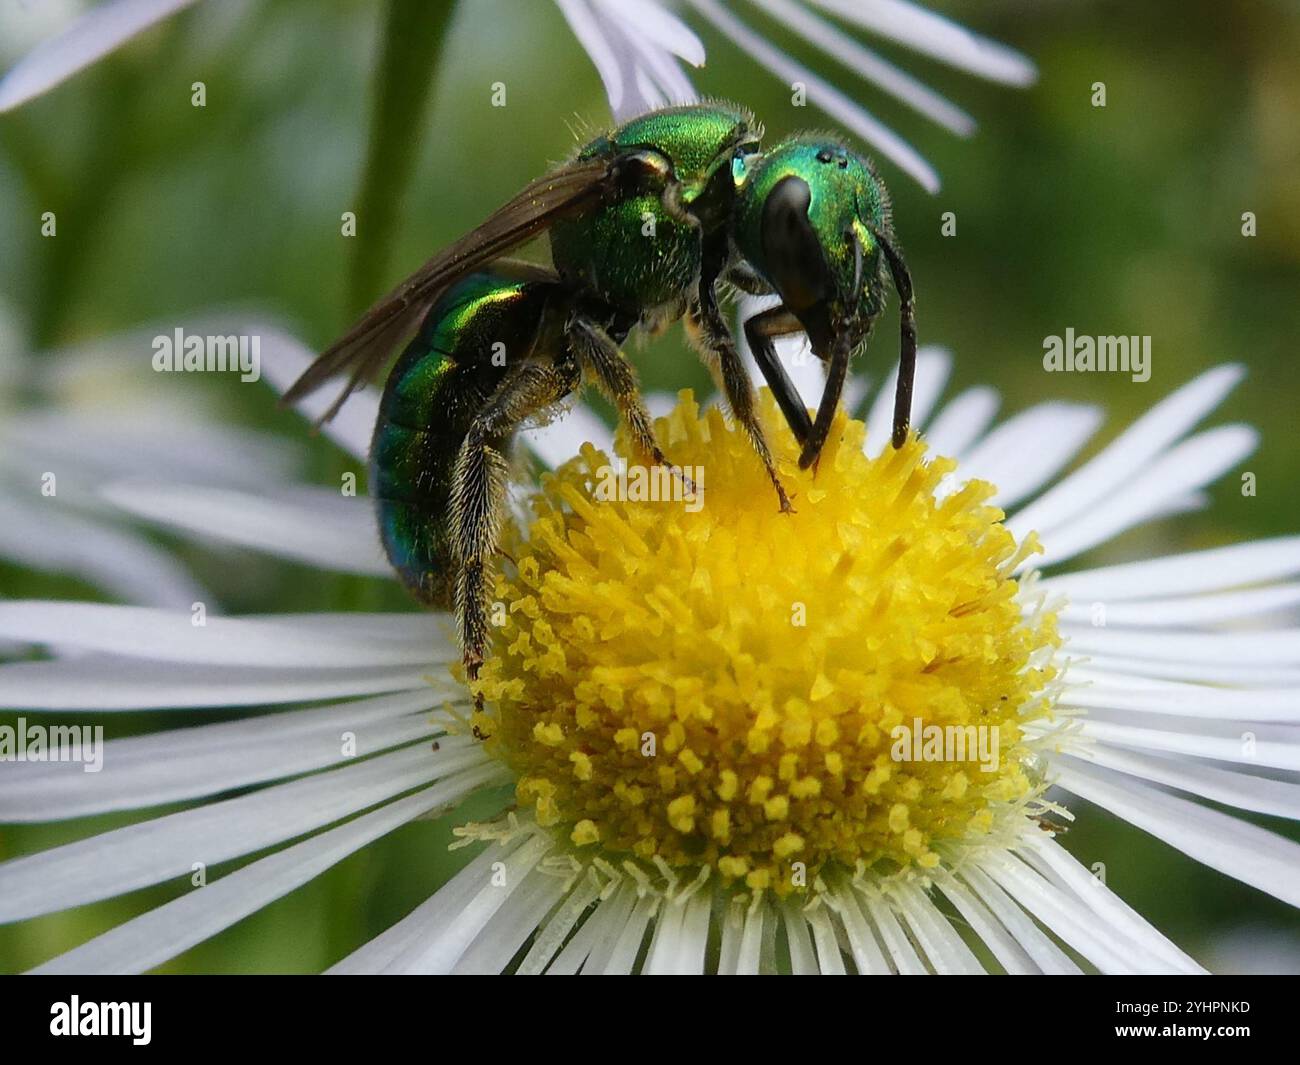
x=478 y=491
x=609 y=368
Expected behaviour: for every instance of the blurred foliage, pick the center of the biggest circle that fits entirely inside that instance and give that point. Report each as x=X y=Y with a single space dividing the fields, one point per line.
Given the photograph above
x=1117 y=220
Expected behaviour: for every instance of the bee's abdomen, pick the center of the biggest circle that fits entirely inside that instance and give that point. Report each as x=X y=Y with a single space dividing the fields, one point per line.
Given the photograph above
x=435 y=390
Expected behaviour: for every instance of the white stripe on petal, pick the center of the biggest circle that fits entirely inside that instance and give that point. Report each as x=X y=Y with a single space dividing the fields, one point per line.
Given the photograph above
x=933 y=35
x=1131 y=452
x=1196 y=571
x=315 y=526
x=162 y=933
x=1232 y=846
x=264 y=640
x=91 y=37
x=151 y=852
x=867 y=64
x=822 y=94
x=103 y=682
x=188 y=763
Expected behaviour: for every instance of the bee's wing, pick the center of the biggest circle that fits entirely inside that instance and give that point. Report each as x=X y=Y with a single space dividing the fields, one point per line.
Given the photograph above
x=364 y=348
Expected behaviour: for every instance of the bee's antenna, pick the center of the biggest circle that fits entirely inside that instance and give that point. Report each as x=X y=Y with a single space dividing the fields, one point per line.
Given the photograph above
x=907 y=339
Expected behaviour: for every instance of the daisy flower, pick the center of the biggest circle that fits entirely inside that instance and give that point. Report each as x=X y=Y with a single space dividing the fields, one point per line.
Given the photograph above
x=638 y=46
x=690 y=725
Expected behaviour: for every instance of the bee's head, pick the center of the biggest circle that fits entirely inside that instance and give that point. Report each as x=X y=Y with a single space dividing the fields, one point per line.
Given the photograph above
x=810 y=219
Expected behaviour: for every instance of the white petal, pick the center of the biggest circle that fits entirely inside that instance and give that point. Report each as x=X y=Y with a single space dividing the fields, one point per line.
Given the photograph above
x=657 y=25
x=586 y=27
x=1044 y=953
x=457 y=926
x=501 y=938
x=1232 y=846
x=803 y=954
x=1280 y=647
x=867 y=64
x=1086 y=688
x=560 y=440
x=95 y=34
x=1108 y=906
x=1244 y=675
x=102 y=682
x=1131 y=452
x=821 y=93
x=284 y=358
x=1278 y=798
x=934 y=934
x=829 y=959
x=615 y=952
x=1026 y=451
x=933 y=35
x=151 y=852
x=559 y=926
x=1070 y=919
x=188 y=763
x=1186 y=611
x=315 y=526
x=436 y=911
x=162 y=933
x=1189 y=466
x=1195 y=571
x=960 y=423
x=173 y=636
x=1003 y=945
x=1201 y=744
x=902 y=954
x=680 y=937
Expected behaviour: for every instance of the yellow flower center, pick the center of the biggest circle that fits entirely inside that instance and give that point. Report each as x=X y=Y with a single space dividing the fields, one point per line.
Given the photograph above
x=702 y=681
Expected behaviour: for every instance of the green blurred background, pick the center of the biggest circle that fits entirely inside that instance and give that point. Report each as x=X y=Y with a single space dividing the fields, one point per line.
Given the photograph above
x=1117 y=220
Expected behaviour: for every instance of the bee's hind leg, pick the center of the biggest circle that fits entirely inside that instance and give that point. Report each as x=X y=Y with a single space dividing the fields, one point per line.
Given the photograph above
x=478 y=493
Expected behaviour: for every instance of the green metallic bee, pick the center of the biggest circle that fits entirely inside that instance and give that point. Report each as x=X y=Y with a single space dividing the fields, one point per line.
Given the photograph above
x=644 y=225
